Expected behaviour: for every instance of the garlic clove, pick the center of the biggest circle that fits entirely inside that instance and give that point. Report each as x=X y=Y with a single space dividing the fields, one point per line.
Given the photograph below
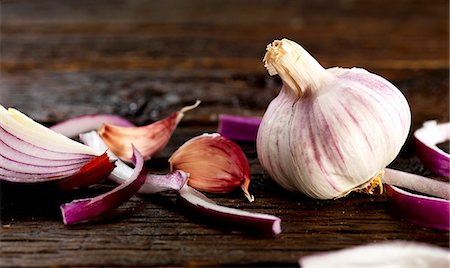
x=150 y=140
x=215 y=164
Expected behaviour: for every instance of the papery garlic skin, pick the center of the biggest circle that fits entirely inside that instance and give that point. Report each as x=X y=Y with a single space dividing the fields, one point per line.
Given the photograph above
x=215 y=164
x=330 y=131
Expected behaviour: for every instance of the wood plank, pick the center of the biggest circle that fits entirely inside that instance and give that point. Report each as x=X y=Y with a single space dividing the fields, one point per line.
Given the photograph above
x=145 y=59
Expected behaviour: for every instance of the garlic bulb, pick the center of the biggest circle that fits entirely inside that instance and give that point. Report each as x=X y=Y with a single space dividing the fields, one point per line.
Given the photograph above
x=329 y=131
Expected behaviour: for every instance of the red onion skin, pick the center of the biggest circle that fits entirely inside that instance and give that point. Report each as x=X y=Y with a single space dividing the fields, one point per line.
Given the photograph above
x=421 y=210
x=240 y=128
x=417 y=183
x=433 y=160
x=94 y=171
x=208 y=210
x=87 y=209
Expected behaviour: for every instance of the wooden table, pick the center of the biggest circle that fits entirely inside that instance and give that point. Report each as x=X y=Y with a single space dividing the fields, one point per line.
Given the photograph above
x=145 y=59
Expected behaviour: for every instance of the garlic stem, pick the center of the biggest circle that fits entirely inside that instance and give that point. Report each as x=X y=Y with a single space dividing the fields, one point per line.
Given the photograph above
x=295 y=66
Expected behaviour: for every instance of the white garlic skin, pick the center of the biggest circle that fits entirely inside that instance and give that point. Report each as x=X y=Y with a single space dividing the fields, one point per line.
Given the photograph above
x=333 y=139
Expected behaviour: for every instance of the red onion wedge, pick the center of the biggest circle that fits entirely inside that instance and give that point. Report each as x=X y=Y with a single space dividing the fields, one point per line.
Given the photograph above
x=253 y=222
x=153 y=183
x=422 y=210
x=32 y=153
x=431 y=156
x=87 y=209
x=383 y=254
x=77 y=125
x=240 y=128
x=150 y=140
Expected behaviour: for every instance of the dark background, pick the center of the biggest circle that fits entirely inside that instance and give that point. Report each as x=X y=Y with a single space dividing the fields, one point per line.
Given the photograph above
x=146 y=59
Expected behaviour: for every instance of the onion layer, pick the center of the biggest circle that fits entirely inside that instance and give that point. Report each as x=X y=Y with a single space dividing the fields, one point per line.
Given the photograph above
x=419 y=209
x=252 y=222
x=431 y=156
x=87 y=209
x=240 y=128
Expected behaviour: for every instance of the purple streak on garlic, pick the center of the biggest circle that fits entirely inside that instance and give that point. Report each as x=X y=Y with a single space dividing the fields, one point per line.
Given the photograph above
x=329 y=131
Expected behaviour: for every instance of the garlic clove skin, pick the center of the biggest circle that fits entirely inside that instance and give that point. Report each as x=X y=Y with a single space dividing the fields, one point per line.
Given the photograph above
x=150 y=140
x=215 y=164
x=329 y=131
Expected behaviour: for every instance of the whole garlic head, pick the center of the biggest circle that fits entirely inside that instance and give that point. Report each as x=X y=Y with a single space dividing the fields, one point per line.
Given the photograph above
x=329 y=131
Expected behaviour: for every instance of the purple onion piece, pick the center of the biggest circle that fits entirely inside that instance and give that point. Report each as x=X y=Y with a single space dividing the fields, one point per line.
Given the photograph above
x=417 y=183
x=422 y=210
x=36 y=168
x=20 y=177
x=382 y=254
x=240 y=128
x=153 y=183
x=21 y=157
x=87 y=209
x=252 y=222
x=77 y=125
x=425 y=140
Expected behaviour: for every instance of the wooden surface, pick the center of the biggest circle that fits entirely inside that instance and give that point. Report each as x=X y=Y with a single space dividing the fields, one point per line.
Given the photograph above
x=145 y=59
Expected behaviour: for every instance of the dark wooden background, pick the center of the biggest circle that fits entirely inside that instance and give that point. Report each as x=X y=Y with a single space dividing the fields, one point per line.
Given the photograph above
x=145 y=59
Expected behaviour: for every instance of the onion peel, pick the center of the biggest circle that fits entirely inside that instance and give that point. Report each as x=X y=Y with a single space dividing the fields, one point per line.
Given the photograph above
x=87 y=209
x=422 y=210
x=425 y=139
x=94 y=171
x=252 y=222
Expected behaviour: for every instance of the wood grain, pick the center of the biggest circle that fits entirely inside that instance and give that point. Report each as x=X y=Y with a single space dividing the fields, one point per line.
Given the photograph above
x=145 y=59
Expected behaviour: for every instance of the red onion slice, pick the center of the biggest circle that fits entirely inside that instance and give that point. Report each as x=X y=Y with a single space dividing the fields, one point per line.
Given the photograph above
x=240 y=128
x=77 y=125
x=87 y=209
x=419 y=209
x=417 y=183
x=384 y=254
x=153 y=183
x=253 y=222
x=431 y=156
